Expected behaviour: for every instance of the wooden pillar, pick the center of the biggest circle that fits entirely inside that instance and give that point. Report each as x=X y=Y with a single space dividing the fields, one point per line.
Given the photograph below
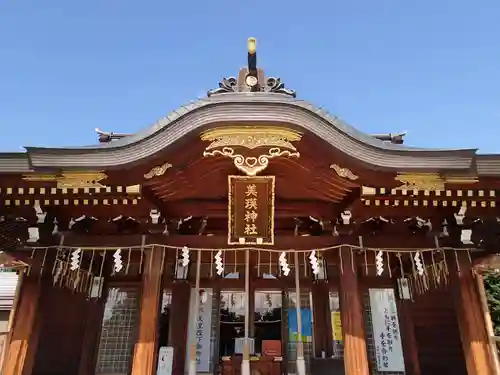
x=145 y=349
x=245 y=363
x=20 y=358
x=322 y=336
x=196 y=313
x=351 y=309
x=410 y=346
x=179 y=322
x=301 y=366
x=471 y=322
x=24 y=339
x=489 y=324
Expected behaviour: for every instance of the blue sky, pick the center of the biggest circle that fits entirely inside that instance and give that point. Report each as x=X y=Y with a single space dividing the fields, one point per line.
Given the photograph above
x=429 y=67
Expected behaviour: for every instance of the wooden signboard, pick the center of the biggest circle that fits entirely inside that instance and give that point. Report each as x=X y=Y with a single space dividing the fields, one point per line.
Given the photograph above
x=251 y=210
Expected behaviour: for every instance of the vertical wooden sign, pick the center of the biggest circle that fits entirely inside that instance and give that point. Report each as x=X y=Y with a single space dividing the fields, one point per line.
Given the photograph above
x=251 y=210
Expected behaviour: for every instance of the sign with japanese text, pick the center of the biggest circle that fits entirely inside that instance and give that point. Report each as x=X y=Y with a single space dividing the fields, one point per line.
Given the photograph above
x=251 y=210
x=336 y=326
x=203 y=330
x=386 y=335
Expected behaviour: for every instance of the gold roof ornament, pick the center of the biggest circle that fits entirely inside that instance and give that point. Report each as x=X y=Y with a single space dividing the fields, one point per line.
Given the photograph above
x=157 y=171
x=252 y=45
x=344 y=172
x=251 y=78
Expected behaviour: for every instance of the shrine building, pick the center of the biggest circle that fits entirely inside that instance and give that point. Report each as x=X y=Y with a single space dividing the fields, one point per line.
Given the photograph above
x=249 y=232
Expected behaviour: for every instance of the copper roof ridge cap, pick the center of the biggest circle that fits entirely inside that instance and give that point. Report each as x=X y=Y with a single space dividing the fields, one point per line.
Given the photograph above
x=280 y=99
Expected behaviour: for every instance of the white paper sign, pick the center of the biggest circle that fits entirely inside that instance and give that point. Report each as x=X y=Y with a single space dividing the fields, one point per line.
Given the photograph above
x=202 y=329
x=386 y=335
x=165 y=360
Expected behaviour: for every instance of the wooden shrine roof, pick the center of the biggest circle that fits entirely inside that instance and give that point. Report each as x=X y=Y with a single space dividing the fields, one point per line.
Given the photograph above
x=248 y=108
x=171 y=169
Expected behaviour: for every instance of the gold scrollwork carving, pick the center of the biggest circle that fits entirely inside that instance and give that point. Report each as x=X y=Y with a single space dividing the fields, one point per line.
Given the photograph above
x=431 y=181
x=251 y=137
x=234 y=142
x=251 y=165
x=420 y=181
x=344 y=172
x=70 y=179
x=157 y=171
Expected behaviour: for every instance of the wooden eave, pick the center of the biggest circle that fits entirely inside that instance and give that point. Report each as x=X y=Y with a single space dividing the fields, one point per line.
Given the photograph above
x=15 y=163
x=248 y=108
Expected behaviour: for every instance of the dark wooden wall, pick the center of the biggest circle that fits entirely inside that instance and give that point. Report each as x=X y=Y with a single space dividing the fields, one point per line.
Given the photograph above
x=64 y=327
x=437 y=333
x=61 y=332
x=66 y=323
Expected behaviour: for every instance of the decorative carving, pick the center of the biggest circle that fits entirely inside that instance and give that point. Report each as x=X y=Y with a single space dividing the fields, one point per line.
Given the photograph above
x=133 y=189
x=344 y=172
x=420 y=181
x=274 y=84
x=251 y=165
x=461 y=180
x=368 y=190
x=431 y=181
x=251 y=137
x=233 y=142
x=251 y=78
x=70 y=179
x=226 y=85
x=157 y=171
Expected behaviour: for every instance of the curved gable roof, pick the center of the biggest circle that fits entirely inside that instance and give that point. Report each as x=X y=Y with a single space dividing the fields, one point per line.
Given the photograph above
x=248 y=107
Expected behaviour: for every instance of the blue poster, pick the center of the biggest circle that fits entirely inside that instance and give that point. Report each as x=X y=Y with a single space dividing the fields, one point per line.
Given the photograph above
x=306 y=315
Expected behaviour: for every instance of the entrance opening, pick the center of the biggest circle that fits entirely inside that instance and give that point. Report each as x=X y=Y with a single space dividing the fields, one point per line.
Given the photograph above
x=232 y=321
x=164 y=319
x=268 y=322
